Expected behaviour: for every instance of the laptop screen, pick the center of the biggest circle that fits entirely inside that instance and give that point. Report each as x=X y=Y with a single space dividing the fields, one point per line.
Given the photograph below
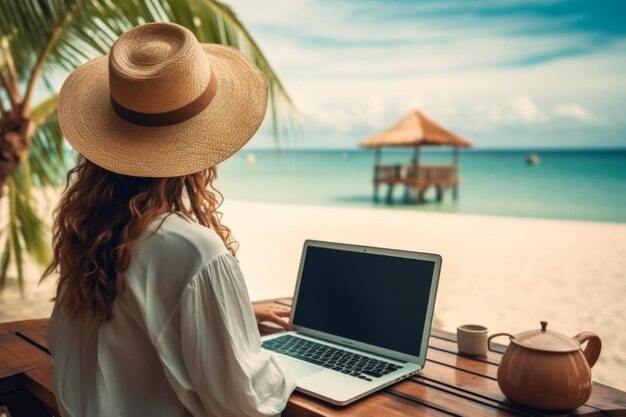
x=376 y=299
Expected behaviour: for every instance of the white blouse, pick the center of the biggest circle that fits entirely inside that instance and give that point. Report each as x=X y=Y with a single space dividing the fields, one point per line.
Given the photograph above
x=183 y=340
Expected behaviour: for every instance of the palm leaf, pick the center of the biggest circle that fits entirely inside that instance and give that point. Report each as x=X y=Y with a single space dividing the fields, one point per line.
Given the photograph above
x=43 y=166
x=30 y=228
x=279 y=99
x=4 y=263
x=44 y=109
x=47 y=155
x=49 y=38
x=70 y=32
x=26 y=230
x=28 y=24
x=13 y=235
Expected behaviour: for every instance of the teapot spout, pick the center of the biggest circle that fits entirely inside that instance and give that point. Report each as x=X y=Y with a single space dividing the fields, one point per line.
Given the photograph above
x=593 y=348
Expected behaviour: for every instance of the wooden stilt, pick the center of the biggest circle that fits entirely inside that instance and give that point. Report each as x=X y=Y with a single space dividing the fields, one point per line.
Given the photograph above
x=455 y=188
x=420 y=196
x=410 y=194
x=415 y=180
x=390 y=194
x=376 y=165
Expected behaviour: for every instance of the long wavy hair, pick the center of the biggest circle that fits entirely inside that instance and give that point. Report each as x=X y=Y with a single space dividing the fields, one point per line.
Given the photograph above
x=101 y=216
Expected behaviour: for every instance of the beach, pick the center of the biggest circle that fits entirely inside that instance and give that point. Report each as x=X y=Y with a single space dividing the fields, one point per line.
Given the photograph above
x=503 y=272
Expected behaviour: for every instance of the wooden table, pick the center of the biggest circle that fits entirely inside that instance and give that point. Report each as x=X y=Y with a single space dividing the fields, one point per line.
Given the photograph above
x=450 y=384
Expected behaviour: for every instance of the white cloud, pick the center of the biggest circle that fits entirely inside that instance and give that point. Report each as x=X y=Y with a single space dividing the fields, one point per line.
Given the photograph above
x=524 y=109
x=351 y=71
x=573 y=111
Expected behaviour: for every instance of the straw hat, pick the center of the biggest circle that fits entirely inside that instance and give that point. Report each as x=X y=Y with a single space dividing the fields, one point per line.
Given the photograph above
x=161 y=104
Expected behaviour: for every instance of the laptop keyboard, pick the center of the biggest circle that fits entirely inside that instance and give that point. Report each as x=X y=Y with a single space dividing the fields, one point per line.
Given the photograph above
x=350 y=363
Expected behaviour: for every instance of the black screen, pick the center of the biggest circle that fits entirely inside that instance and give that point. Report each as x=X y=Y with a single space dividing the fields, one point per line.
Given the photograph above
x=376 y=299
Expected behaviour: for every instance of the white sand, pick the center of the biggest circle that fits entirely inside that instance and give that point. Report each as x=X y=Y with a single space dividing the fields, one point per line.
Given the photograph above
x=505 y=273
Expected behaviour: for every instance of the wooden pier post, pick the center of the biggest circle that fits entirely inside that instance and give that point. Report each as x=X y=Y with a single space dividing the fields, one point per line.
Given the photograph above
x=439 y=189
x=390 y=194
x=416 y=157
x=455 y=188
x=420 y=195
x=376 y=182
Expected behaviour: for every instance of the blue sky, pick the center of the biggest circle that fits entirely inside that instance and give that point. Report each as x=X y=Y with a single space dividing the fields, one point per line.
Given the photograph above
x=504 y=74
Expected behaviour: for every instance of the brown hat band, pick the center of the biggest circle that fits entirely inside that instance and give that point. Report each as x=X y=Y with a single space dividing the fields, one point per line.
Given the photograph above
x=168 y=117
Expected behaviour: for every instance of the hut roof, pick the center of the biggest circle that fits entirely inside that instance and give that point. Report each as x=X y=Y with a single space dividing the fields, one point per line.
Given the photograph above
x=415 y=129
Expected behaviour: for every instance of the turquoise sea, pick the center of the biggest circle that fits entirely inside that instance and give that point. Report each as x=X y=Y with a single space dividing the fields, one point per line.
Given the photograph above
x=576 y=184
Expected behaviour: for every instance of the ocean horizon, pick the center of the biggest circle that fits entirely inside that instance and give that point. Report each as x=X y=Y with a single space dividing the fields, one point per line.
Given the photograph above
x=572 y=184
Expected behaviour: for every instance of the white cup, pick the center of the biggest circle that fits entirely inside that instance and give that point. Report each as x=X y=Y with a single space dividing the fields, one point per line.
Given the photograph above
x=472 y=339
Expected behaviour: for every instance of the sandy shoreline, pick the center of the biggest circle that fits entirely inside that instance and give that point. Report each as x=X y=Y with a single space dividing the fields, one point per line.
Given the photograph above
x=505 y=273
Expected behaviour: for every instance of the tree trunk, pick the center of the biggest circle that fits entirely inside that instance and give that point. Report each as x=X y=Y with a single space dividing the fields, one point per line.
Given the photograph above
x=15 y=135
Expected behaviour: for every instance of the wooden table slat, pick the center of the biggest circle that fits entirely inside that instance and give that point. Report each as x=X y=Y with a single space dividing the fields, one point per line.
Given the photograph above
x=465 y=381
x=382 y=404
x=505 y=407
x=441 y=334
x=485 y=369
x=15 y=326
x=450 y=347
x=451 y=337
x=503 y=403
x=602 y=396
x=36 y=337
x=444 y=398
x=18 y=356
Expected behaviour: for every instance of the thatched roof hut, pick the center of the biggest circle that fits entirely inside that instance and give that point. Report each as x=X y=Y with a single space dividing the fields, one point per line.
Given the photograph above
x=415 y=129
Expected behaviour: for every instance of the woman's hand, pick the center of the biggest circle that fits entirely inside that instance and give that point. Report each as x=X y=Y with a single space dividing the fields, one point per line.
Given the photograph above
x=272 y=312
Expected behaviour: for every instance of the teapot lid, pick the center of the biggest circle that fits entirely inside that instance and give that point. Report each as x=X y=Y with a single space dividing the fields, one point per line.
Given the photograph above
x=546 y=340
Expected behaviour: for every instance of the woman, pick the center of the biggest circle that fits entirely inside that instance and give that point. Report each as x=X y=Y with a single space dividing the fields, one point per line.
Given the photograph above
x=152 y=315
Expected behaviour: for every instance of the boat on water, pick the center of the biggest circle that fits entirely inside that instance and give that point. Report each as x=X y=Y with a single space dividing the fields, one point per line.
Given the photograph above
x=532 y=159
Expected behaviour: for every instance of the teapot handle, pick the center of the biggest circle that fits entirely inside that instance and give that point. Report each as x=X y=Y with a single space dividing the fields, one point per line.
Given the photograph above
x=592 y=351
x=496 y=335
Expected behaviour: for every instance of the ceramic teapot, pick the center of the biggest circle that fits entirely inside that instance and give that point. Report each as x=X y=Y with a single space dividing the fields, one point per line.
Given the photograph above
x=547 y=370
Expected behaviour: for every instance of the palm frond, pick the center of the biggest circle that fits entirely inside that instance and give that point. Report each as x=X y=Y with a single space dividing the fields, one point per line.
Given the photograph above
x=6 y=259
x=47 y=39
x=8 y=74
x=26 y=230
x=219 y=15
x=44 y=109
x=70 y=32
x=48 y=153
x=32 y=230
x=62 y=23
x=28 y=24
x=13 y=235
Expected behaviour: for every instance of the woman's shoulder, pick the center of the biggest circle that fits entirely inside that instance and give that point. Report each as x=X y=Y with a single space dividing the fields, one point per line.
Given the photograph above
x=177 y=237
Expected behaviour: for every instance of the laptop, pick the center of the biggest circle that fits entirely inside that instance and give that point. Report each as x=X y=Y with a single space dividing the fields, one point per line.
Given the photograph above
x=362 y=318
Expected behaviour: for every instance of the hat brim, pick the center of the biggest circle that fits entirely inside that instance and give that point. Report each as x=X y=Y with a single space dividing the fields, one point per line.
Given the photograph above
x=90 y=125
